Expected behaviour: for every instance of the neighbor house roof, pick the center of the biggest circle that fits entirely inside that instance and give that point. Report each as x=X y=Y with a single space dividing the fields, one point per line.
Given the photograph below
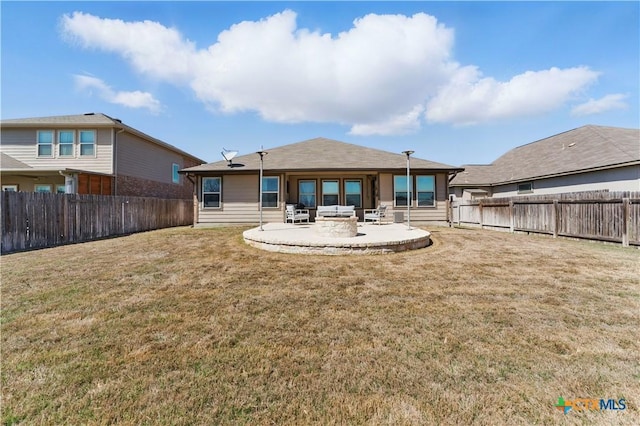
x=91 y=119
x=581 y=150
x=320 y=154
x=7 y=162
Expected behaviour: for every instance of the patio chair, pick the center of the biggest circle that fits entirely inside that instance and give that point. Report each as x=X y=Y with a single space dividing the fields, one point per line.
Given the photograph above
x=375 y=215
x=294 y=214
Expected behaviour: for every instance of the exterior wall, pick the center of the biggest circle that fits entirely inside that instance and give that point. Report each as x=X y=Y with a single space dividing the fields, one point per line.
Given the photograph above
x=621 y=179
x=240 y=202
x=145 y=169
x=239 y=191
x=21 y=144
x=27 y=184
x=418 y=214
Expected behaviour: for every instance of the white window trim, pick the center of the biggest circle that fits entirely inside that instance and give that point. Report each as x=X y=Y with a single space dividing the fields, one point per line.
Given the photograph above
x=38 y=144
x=277 y=192
x=60 y=144
x=359 y=206
x=35 y=186
x=337 y=181
x=525 y=191
x=203 y=193
x=411 y=192
x=94 y=144
x=315 y=191
x=434 y=193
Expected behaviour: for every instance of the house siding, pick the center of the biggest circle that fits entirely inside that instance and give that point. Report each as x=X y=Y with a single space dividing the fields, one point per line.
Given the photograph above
x=146 y=169
x=438 y=213
x=236 y=205
x=620 y=179
x=21 y=144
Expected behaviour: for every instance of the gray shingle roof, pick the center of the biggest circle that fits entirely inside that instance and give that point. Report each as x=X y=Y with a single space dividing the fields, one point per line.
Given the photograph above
x=321 y=154
x=7 y=162
x=579 y=150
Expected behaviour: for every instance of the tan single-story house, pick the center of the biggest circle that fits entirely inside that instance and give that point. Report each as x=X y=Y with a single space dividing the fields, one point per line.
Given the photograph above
x=318 y=172
x=589 y=158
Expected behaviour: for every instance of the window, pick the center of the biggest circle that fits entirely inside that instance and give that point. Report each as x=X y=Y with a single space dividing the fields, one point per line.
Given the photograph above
x=525 y=188
x=426 y=191
x=61 y=189
x=65 y=143
x=307 y=193
x=42 y=188
x=175 y=175
x=10 y=188
x=353 y=193
x=45 y=143
x=211 y=192
x=87 y=142
x=400 y=190
x=330 y=192
x=270 y=191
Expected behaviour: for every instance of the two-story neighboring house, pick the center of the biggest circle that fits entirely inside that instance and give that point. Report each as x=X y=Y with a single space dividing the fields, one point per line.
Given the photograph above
x=90 y=154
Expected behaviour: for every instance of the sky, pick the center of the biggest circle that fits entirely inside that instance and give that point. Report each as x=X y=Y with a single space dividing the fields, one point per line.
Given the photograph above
x=456 y=82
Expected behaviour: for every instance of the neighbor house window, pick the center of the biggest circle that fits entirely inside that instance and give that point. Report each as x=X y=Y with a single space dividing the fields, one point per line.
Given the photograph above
x=307 y=193
x=426 y=191
x=353 y=193
x=524 y=188
x=270 y=191
x=45 y=143
x=61 y=189
x=10 y=188
x=175 y=175
x=42 y=188
x=65 y=143
x=330 y=192
x=211 y=192
x=87 y=142
x=400 y=190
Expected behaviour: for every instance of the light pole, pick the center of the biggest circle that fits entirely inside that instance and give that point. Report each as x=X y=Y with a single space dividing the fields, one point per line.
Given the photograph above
x=408 y=154
x=261 y=154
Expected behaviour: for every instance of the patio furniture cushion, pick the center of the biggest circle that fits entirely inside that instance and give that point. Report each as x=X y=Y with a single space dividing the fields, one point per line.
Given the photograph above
x=376 y=215
x=336 y=211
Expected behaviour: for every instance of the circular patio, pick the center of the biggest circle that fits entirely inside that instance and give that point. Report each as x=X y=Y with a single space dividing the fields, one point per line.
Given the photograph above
x=304 y=239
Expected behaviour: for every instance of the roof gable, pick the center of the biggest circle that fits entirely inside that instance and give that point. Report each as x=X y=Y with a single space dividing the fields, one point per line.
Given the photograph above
x=321 y=154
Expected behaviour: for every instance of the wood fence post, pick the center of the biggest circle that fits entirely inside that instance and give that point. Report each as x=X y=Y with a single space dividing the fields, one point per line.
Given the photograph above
x=512 y=219
x=626 y=221
x=556 y=217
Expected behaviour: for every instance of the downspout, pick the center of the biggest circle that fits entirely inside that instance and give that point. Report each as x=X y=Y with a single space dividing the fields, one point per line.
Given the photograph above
x=115 y=159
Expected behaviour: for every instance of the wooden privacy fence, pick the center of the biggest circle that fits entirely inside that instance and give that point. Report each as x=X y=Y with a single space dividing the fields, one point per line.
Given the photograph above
x=37 y=220
x=602 y=216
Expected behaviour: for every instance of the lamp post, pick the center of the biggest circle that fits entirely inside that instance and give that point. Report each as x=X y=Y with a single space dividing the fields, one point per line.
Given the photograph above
x=261 y=154
x=408 y=154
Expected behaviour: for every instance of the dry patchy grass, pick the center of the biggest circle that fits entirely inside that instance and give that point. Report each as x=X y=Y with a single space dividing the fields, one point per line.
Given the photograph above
x=185 y=326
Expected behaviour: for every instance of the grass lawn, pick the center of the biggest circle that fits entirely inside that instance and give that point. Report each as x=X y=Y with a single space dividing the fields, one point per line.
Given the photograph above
x=185 y=326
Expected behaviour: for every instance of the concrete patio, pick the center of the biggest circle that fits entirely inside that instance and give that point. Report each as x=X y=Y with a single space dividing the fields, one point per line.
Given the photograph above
x=304 y=239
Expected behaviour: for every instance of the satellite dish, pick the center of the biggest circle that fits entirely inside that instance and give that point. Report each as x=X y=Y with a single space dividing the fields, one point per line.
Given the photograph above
x=229 y=155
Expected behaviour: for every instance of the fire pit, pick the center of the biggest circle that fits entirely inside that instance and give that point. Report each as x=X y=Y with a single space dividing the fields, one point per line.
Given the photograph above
x=336 y=227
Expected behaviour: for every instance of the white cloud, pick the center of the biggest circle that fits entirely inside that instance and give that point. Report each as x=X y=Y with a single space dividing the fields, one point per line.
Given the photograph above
x=469 y=98
x=134 y=99
x=597 y=106
x=386 y=75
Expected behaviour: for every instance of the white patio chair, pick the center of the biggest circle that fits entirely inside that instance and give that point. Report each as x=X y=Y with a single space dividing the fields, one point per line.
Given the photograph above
x=294 y=214
x=375 y=215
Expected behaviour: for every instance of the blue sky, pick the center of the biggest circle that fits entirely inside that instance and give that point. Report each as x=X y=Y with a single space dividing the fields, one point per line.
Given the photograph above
x=457 y=82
